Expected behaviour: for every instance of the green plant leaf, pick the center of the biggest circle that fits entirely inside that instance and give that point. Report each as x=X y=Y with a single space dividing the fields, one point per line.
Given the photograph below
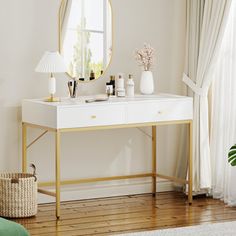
x=233 y=147
x=232 y=155
x=233 y=163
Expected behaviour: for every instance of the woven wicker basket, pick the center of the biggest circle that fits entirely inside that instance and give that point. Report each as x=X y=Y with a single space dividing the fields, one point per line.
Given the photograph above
x=18 y=195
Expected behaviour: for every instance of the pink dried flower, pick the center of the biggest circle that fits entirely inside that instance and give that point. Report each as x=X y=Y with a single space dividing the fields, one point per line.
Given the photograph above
x=145 y=57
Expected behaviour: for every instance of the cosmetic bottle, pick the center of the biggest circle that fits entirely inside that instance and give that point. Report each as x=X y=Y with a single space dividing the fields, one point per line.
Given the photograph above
x=130 y=87
x=120 y=82
x=110 y=86
x=109 y=89
x=113 y=82
x=120 y=86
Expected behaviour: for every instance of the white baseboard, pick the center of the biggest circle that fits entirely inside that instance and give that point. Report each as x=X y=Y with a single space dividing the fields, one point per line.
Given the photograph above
x=117 y=188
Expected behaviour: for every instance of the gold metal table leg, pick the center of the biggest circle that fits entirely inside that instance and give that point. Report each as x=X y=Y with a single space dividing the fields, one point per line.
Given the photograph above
x=58 y=167
x=154 y=163
x=24 y=147
x=190 y=168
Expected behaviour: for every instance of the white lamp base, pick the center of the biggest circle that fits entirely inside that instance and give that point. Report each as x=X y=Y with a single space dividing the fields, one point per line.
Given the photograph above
x=52 y=90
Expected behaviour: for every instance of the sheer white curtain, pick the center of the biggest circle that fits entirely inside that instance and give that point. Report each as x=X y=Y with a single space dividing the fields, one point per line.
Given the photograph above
x=223 y=121
x=64 y=18
x=206 y=24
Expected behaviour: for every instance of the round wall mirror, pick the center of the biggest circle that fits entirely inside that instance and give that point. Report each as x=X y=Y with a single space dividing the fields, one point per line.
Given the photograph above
x=85 y=37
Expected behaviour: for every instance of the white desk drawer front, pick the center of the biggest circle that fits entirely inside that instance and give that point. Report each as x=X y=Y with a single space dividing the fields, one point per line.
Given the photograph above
x=160 y=111
x=67 y=114
x=70 y=117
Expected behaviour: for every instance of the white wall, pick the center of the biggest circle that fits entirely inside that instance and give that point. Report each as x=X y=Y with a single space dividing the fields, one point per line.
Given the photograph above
x=28 y=28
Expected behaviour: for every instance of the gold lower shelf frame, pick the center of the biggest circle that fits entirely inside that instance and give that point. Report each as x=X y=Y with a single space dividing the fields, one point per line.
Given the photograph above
x=46 y=192
x=58 y=181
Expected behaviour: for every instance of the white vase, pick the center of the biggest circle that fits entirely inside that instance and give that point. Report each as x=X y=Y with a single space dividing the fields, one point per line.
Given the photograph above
x=147 y=83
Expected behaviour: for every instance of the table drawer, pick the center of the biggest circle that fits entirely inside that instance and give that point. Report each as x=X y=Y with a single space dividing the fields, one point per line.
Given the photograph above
x=71 y=117
x=159 y=111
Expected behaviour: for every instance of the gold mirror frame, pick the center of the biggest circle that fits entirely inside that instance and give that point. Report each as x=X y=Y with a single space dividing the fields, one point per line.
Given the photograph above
x=112 y=40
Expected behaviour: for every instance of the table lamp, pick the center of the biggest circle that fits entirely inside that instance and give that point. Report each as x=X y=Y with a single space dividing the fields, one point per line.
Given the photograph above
x=51 y=62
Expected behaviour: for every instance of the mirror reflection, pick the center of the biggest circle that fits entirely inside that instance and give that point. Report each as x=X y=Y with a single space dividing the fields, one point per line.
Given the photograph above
x=85 y=37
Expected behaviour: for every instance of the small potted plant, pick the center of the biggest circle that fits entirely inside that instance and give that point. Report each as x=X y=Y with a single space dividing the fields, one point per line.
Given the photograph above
x=145 y=59
x=232 y=155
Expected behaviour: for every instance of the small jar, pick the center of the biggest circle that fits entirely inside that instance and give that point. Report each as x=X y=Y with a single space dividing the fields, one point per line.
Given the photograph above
x=120 y=92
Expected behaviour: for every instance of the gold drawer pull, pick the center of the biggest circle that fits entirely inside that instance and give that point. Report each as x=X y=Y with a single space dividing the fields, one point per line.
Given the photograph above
x=93 y=117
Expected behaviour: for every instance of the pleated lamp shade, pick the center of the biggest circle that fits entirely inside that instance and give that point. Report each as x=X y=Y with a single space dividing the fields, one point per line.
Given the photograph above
x=51 y=62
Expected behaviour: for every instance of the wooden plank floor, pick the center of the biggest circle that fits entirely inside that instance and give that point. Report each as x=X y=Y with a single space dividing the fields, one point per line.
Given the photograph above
x=116 y=215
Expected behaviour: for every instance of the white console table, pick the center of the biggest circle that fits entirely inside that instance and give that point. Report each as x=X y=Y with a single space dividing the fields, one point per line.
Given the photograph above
x=77 y=115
